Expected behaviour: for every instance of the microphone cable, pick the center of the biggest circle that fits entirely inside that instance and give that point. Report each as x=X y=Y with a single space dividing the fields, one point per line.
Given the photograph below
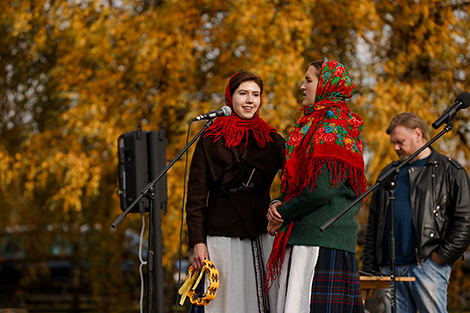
x=142 y=263
x=182 y=219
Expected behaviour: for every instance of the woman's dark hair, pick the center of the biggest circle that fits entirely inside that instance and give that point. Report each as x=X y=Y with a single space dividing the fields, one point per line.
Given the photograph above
x=242 y=77
x=318 y=64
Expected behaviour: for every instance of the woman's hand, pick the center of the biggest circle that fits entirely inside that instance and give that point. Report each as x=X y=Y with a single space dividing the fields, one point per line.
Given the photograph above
x=275 y=220
x=272 y=228
x=273 y=215
x=200 y=254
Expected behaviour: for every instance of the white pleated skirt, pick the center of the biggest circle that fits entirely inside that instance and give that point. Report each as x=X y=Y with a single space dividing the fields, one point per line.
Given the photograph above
x=238 y=290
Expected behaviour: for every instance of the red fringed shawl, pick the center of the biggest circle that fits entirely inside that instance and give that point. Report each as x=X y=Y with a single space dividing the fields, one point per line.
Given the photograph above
x=234 y=129
x=328 y=134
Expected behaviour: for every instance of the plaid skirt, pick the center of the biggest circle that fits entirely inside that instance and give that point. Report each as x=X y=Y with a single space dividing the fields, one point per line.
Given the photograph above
x=316 y=279
x=335 y=286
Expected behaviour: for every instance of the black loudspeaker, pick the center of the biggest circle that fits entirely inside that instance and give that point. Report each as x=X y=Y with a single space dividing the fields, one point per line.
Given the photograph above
x=142 y=156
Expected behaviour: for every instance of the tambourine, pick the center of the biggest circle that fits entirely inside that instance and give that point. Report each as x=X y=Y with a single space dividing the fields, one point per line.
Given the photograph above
x=187 y=289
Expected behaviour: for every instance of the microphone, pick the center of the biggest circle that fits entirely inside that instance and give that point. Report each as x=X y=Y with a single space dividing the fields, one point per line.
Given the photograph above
x=225 y=111
x=461 y=102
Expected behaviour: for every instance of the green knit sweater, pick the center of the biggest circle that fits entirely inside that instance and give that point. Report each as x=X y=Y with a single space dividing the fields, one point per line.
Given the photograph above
x=312 y=208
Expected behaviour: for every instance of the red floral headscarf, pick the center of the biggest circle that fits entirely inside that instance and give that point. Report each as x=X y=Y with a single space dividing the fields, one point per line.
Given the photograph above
x=328 y=133
x=234 y=129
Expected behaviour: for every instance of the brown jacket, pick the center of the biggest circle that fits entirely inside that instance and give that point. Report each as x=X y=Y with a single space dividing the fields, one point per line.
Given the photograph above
x=218 y=203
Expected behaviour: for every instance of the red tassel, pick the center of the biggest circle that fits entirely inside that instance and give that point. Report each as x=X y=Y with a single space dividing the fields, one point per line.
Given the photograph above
x=274 y=264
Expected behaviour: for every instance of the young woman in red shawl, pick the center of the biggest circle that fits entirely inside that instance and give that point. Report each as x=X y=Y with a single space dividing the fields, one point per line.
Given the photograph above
x=233 y=166
x=316 y=271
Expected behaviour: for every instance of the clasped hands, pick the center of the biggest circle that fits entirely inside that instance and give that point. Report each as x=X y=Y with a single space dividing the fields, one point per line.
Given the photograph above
x=275 y=220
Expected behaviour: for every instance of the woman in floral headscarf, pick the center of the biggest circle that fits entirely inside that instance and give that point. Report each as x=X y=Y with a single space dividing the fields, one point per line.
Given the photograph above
x=323 y=174
x=232 y=169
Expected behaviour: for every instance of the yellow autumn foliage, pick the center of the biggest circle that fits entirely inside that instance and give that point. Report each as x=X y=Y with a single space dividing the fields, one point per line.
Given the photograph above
x=77 y=74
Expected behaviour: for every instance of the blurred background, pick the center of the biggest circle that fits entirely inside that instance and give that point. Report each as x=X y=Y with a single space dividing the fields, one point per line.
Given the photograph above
x=76 y=74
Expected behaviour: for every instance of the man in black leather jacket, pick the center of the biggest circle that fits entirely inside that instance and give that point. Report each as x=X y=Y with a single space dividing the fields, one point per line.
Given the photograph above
x=431 y=220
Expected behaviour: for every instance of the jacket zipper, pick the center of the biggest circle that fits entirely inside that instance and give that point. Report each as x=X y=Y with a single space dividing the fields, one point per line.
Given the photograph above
x=413 y=218
x=417 y=260
x=438 y=207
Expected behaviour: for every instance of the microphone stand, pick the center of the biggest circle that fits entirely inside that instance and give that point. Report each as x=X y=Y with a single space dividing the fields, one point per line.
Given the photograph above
x=390 y=184
x=387 y=180
x=155 y=238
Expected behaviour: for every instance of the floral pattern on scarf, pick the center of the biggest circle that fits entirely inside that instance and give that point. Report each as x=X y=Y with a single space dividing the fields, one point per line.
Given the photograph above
x=328 y=133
